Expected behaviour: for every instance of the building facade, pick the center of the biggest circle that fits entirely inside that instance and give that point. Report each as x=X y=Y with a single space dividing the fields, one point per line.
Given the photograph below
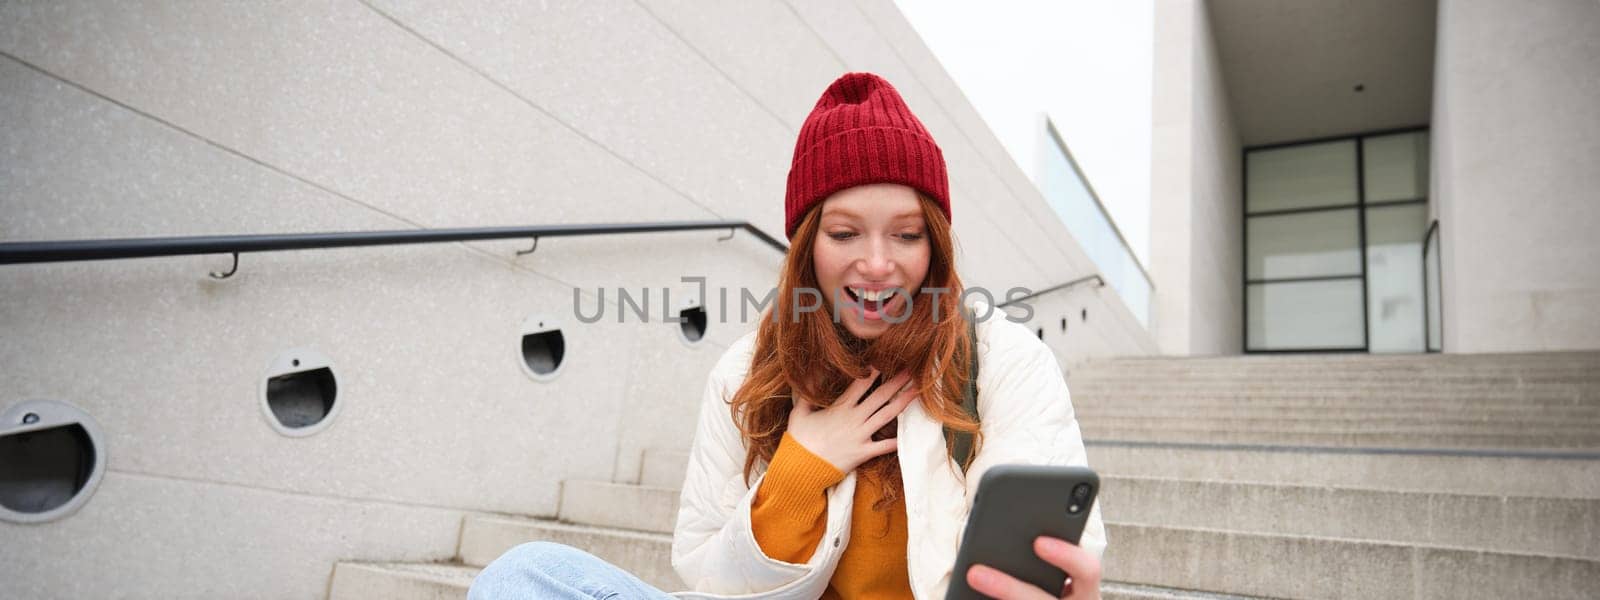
x=1375 y=176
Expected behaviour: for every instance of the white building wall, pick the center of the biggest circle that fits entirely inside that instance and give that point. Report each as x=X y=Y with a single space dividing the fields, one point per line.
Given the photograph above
x=1516 y=141
x=1195 y=190
x=1216 y=249
x=143 y=119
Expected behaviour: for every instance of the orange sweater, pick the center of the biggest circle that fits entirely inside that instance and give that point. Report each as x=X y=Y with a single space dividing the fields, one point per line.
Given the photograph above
x=789 y=516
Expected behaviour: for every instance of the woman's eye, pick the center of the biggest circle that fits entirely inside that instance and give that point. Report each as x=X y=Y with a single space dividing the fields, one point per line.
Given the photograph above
x=845 y=235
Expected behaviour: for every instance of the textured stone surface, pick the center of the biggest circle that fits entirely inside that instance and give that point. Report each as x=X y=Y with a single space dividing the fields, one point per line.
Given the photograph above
x=435 y=408
x=1383 y=471
x=664 y=468
x=1512 y=116
x=549 y=56
x=619 y=505
x=1306 y=567
x=145 y=536
x=1523 y=524
x=1420 y=423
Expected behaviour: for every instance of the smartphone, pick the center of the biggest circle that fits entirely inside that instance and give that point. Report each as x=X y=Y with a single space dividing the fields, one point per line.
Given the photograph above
x=1015 y=504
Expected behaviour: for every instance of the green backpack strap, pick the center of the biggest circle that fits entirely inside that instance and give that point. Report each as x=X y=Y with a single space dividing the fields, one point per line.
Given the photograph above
x=961 y=441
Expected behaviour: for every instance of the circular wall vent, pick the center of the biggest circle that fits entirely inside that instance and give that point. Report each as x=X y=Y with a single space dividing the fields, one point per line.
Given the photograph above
x=692 y=320
x=544 y=347
x=51 y=461
x=300 y=394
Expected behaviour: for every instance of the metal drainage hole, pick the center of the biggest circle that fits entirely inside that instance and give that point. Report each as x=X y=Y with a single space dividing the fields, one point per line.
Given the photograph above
x=543 y=351
x=301 y=399
x=42 y=470
x=693 y=323
x=1039 y=331
x=1063 y=323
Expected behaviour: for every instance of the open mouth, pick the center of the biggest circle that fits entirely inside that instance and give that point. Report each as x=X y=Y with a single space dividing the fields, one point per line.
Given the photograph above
x=870 y=305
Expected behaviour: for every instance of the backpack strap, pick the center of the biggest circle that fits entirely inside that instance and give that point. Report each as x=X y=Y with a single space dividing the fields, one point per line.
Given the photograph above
x=961 y=441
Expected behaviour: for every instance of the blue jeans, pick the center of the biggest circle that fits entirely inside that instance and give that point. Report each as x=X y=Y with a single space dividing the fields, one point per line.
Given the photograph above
x=551 y=570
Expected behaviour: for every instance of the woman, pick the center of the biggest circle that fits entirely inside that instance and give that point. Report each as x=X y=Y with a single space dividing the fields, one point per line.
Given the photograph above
x=809 y=477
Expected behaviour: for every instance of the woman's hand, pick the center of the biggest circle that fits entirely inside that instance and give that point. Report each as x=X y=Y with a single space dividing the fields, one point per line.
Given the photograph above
x=1082 y=567
x=842 y=433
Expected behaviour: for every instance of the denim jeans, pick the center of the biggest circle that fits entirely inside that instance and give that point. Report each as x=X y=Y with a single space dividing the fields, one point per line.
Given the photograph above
x=550 y=570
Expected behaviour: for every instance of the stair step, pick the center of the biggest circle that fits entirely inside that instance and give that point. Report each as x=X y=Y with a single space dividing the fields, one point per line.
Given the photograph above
x=1497 y=362
x=1581 y=375
x=1431 y=424
x=620 y=505
x=1574 y=372
x=1587 y=443
x=400 y=581
x=1333 y=377
x=1324 y=379
x=1112 y=590
x=646 y=555
x=1311 y=567
x=1435 y=372
x=1576 y=416
x=1298 y=392
x=1352 y=394
x=1327 y=382
x=1353 y=439
x=1510 y=473
x=1515 y=524
x=1082 y=398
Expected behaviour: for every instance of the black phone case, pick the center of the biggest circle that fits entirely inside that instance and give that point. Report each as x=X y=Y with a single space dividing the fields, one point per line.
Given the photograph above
x=1015 y=504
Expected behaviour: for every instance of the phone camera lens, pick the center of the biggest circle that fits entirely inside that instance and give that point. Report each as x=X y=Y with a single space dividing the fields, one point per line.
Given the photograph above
x=1081 y=492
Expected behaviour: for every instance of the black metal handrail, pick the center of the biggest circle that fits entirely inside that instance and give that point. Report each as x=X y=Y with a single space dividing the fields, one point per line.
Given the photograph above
x=62 y=251
x=12 y=253
x=1427 y=312
x=1100 y=282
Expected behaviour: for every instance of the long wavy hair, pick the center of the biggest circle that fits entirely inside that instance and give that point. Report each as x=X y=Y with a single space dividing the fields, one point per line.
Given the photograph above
x=810 y=356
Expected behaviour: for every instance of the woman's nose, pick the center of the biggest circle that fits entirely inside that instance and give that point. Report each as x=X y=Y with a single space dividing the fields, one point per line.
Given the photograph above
x=878 y=263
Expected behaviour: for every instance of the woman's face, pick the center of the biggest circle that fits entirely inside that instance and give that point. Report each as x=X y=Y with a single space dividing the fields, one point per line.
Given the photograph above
x=872 y=237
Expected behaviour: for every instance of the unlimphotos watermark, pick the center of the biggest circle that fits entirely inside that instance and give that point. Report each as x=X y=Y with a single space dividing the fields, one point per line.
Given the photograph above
x=842 y=301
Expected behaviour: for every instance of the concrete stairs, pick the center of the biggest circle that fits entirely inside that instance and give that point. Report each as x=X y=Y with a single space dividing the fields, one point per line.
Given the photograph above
x=1282 y=476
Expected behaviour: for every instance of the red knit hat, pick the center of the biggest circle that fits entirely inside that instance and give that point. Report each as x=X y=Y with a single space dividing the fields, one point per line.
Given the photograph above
x=860 y=132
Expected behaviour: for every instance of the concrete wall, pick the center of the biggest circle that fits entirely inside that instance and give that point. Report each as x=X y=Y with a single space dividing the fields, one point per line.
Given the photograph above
x=135 y=119
x=1195 y=184
x=1216 y=220
x=1516 y=139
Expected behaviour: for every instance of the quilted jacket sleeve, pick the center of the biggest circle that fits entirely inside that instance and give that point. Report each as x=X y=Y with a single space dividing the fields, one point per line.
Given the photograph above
x=713 y=547
x=1027 y=416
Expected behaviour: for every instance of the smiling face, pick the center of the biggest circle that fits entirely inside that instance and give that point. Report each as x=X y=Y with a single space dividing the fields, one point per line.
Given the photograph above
x=871 y=238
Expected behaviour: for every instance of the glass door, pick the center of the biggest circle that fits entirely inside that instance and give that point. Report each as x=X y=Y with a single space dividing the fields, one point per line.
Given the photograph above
x=1333 y=244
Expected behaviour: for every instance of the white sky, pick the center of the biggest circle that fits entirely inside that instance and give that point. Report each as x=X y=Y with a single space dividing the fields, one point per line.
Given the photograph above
x=1087 y=64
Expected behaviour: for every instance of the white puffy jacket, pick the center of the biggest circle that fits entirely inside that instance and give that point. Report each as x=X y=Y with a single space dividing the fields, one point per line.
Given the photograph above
x=1026 y=416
